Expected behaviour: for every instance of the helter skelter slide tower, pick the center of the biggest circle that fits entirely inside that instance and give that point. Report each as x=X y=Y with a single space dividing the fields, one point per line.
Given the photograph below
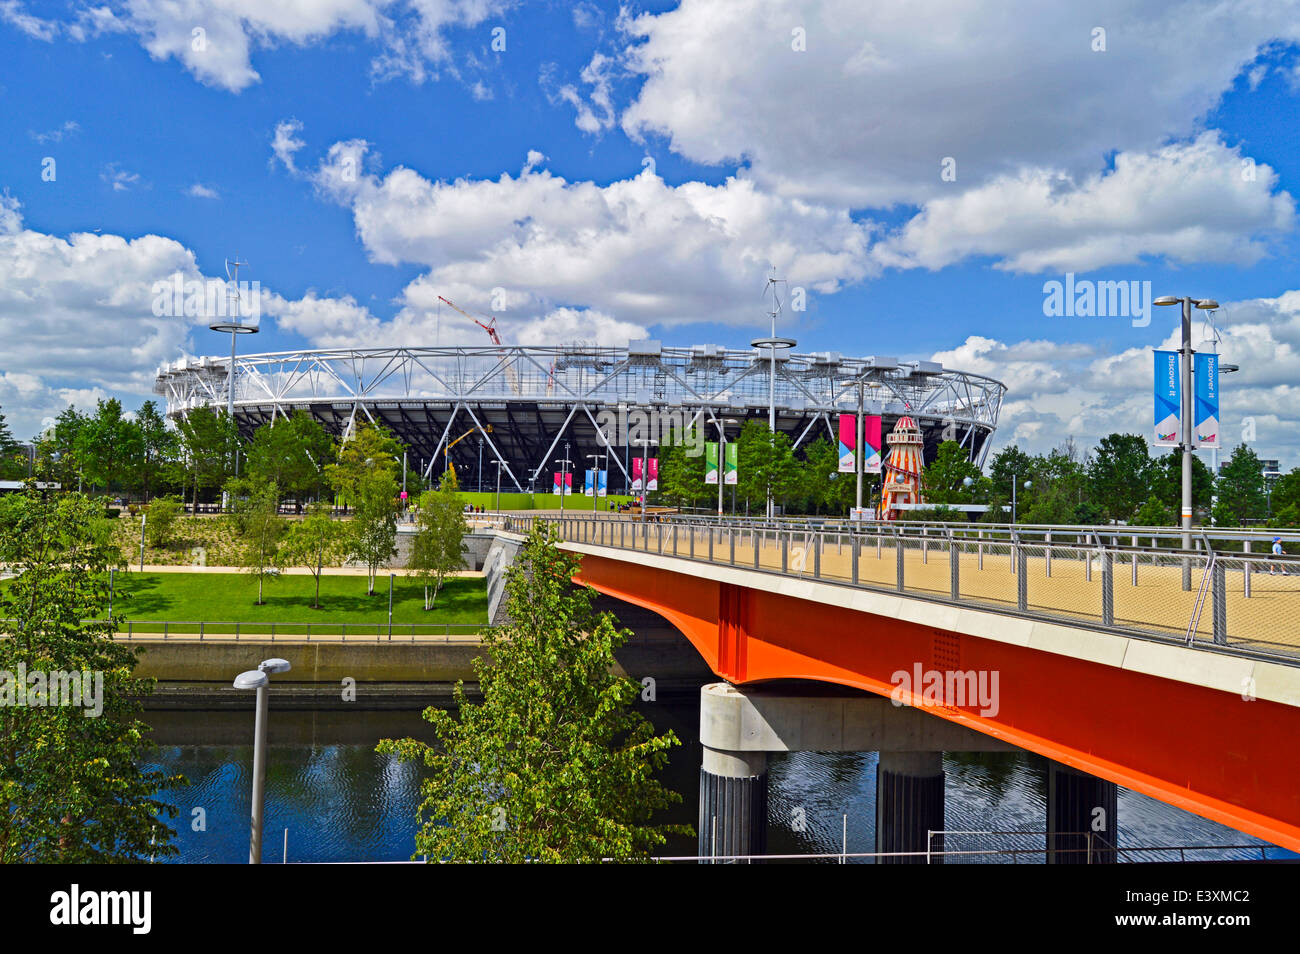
x=902 y=469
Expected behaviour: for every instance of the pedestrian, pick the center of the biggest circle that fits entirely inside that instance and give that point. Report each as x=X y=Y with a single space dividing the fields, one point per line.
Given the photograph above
x=1277 y=551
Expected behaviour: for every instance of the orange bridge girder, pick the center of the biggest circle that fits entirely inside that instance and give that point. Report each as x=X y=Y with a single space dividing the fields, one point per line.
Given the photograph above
x=1207 y=750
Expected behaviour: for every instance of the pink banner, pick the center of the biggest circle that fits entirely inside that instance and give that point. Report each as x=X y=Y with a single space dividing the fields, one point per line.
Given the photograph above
x=568 y=483
x=848 y=441
x=871 y=437
x=653 y=477
x=636 y=474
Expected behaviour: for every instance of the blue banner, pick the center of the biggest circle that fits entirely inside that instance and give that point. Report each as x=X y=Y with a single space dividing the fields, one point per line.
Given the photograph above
x=1206 y=418
x=1169 y=400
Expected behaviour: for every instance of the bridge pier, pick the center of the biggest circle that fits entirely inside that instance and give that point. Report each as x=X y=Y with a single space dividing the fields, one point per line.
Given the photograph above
x=733 y=803
x=1078 y=805
x=740 y=726
x=909 y=804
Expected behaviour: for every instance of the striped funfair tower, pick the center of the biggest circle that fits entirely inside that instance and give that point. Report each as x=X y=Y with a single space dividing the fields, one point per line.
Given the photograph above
x=902 y=469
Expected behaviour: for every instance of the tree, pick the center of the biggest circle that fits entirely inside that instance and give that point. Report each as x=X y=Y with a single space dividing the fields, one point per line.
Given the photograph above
x=109 y=445
x=158 y=447
x=292 y=453
x=681 y=477
x=1120 y=475
x=13 y=462
x=59 y=449
x=160 y=520
x=820 y=480
x=1167 y=481
x=943 y=481
x=1241 y=490
x=1153 y=513
x=371 y=451
x=261 y=555
x=72 y=789
x=374 y=533
x=315 y=542
x=439 y=544
x=767 y=464
x=1008 y=464
x=554 y=765
x=208 y=440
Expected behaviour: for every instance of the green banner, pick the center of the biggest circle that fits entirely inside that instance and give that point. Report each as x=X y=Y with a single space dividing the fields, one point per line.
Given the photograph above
x=731 y=473
x=711 y=462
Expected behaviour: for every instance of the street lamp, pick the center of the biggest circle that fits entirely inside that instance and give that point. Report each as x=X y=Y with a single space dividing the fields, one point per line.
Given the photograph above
x=595 y=478
x=259 y=680
x=564 y=462
x=645 y=470
x=233 y=323
x=1028 y=485
x=1205 y=304
x=499 y=464
x=772 y=344
x=722 y=454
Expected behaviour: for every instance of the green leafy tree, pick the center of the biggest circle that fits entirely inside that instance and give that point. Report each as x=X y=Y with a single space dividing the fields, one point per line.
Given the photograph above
x=59 y=449
x=73 y=787
x=554 y=765
x=943 y=481
x=261 y=554
x=158 y=449
x=1286 y=492
x=208 y=442
x=681 y=477
x=1241 y=492
x=439 y=545
x=1008 y=464
x=160 y=520
x=821 y=483
x=1120 y=475
x=371 y=451
x=1167 y=481
x=374 y=524
x=292 y=453
x=315 y=542
x=767 y=464
x=1154 y=513
x=13 y=462
x=109 y=446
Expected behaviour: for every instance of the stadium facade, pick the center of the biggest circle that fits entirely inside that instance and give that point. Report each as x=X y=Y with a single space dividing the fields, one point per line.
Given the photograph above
x=538 y=400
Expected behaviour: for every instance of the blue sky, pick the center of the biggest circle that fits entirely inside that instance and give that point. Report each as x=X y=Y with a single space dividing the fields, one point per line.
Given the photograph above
x=1169 y=155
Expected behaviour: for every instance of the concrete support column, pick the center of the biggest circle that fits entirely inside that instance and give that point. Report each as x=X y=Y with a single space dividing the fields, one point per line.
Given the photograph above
x=1082 y=817
x=733 y=803
x=909 y=803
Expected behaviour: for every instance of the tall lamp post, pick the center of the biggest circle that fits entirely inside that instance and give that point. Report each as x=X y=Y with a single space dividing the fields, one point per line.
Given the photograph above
x=499 y=465
x=233 y=323
x=259 y=679
x=772 y=343
x=564 y=463
x=722 y=454
x=645 y=470
x=1205 y=304
x=595 y=478
x=1014 y=480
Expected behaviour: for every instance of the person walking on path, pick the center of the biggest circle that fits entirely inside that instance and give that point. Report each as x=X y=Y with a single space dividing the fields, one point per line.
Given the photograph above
x=1277 y=551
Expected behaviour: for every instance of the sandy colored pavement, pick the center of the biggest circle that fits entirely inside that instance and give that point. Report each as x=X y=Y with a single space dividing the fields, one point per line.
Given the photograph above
x=1268 y=620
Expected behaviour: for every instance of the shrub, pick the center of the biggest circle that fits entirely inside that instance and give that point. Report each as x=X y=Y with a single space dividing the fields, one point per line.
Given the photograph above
x=161 y=521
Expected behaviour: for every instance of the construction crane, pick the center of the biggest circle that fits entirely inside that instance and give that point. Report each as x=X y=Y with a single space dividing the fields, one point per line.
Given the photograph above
x=491 y=329
x=446 y=451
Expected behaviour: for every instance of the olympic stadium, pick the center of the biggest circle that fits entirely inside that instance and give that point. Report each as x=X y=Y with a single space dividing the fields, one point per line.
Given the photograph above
x=524 y=405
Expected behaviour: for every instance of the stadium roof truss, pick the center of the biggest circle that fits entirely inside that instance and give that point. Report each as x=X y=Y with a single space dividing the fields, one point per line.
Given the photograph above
x=534 y=397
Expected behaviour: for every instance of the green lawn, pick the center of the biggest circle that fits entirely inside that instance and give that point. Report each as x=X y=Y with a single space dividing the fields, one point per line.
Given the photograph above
x=232 y=597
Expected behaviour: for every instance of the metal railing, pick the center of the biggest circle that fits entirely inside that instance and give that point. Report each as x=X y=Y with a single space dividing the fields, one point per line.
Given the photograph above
x=1128 y=580
x=217 y=630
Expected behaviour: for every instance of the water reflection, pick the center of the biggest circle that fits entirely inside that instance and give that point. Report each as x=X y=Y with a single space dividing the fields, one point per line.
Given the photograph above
x=341 y=801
